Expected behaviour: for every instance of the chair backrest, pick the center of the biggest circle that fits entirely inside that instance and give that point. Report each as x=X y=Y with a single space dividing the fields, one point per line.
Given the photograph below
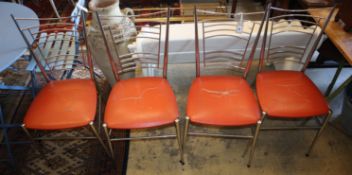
x=149 y=27
x=59 y=45
x=290 y=38
x=227 y=39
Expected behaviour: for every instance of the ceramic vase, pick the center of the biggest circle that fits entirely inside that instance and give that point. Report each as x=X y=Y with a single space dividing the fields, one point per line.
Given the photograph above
x=95 y=40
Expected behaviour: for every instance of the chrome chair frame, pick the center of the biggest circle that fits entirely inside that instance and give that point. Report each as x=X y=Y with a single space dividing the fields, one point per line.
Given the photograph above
x=126 y=63
x=244 y=68
x=265 y=56
x=210 y=27
x=79 y=37
x=302 y=55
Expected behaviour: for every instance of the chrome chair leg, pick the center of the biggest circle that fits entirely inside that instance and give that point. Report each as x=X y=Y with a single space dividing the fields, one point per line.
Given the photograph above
x=91 y=124
x=327 y=118
x=185 y=134
x=249 y=143
x=109 y=141
x=255 y=137
x=179 y=140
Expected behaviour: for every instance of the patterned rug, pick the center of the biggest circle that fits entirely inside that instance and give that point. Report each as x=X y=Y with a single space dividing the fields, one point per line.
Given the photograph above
x=65 y=157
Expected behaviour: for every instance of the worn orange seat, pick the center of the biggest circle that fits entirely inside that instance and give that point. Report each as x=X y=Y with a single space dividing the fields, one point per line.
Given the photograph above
x=141 y=103
x=148 y=100
x=63 y=104
x=222 y=101
x=285 y=92
x=289 y=94
x=66 y=101
x=218 y=99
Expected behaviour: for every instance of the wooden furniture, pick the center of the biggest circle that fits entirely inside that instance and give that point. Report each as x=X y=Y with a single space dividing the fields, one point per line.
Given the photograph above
x=233 y=5
x=341 y=39
x=343 y=42
x=345 y=14
x=315 y=3
x=149 y=3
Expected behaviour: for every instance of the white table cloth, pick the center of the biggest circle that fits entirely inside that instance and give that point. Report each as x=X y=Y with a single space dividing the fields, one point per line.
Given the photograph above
x=182 y=36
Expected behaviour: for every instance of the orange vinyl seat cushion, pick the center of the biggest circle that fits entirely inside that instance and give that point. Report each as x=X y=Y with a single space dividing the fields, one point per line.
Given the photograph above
x=141 y=103
x=289 y=94
x=222 y=101
x=63 y=104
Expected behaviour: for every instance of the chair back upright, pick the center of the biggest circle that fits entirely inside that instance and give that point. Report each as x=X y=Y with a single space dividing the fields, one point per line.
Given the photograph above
x=132 y=29
x=290 y=38
x=59 y=45
x=227 y=40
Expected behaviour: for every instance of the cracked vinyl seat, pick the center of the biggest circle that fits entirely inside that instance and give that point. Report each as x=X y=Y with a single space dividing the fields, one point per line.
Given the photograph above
x=141 y=103
x=289 y=94
x=220 y=95
x=222 y=101
x=145 y=100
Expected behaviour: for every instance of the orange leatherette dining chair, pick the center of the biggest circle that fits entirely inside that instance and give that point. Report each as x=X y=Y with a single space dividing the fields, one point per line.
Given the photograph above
x=224 y=100
x=146 y=101
x=286 y=92
x=61 y=104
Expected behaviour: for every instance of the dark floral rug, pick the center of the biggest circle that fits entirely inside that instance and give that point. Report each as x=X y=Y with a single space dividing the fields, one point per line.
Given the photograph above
x=65 y=157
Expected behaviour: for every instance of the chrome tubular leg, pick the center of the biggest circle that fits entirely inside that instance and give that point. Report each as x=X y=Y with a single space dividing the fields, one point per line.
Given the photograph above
x=255 y=137
x=98 y=137
x=334 y=79
x=327 y=118
x=109 y=140
x=340 y=88
x=185 y=134
x=179 y=140
x=249 y=143
x=254 y=143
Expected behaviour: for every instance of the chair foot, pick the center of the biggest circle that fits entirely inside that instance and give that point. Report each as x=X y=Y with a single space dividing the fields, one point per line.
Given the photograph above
x=182 y=162
x=307 y=155
x=248 y=166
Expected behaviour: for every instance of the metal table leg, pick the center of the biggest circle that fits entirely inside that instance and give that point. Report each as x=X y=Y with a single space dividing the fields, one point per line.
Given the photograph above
x=340 y=88
x=334 y=79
